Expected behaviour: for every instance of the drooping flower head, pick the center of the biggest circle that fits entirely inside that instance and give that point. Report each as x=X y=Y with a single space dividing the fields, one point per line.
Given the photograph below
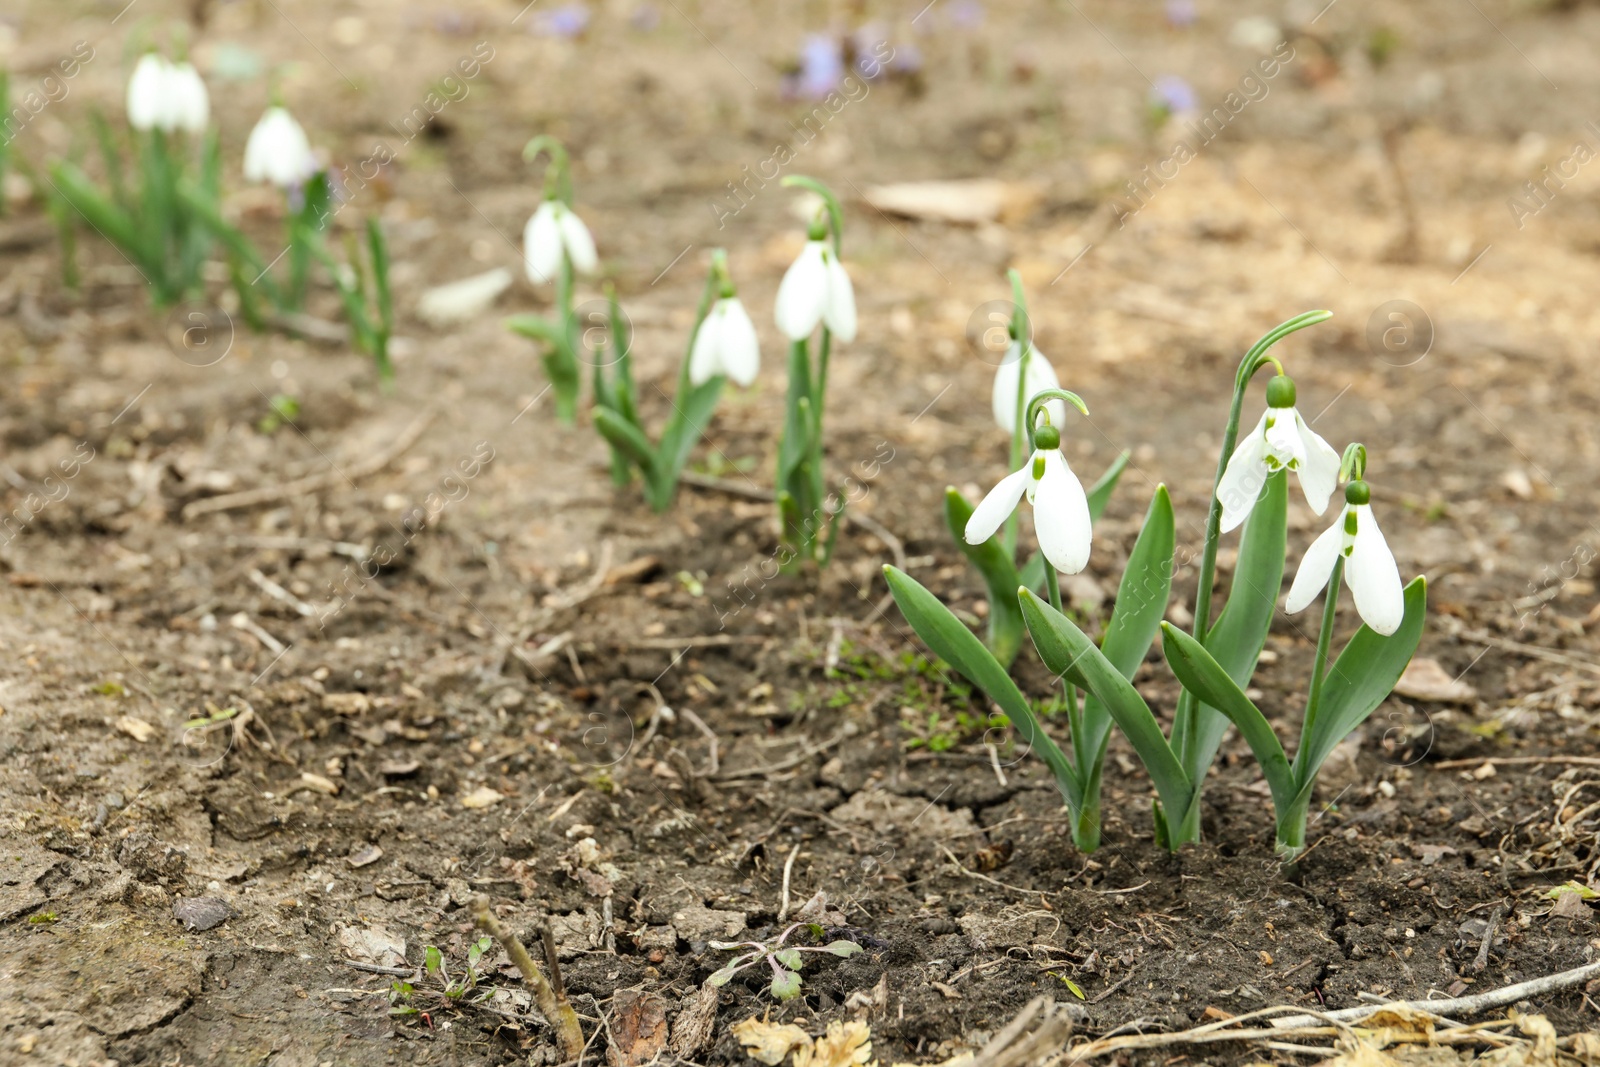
x=553 y=231
x=816 y=288
x=726 y=343
x=1280 y=441
x=167 y=96
x=278 y=151
x=1060 y=506
x=1369 y=566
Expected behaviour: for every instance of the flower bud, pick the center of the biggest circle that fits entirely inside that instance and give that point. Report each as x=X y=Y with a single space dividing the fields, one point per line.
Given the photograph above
x=1046 y=437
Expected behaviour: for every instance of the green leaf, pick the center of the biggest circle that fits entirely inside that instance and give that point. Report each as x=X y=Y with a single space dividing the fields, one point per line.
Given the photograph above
x=1359 y=680
x=952 y=642
x=1204 y=676
x=432 y=959
x=691 y=413
x=1240 y=633
x=723 y=976
x=538 y=328
x=1100 y=492
x=1068 y=652
x=626 y=438
x=1141 y=601
x=843 y=949
x=786 y=985
x=999 y=575
x=790 y=958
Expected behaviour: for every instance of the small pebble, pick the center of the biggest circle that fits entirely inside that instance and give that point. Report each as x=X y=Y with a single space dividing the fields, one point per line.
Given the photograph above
x=201 y=913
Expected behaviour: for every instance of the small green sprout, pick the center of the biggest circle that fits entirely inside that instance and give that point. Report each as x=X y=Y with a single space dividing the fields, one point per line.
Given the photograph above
x=785 y=960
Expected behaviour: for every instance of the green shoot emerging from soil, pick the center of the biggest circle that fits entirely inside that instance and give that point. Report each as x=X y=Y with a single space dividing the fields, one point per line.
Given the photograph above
x=784 y=960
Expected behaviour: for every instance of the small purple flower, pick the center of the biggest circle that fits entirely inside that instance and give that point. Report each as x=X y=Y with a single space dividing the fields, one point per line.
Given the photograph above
x=1172 y=95
x=821 y=67
x=966 y=14
x=568 y=20
x=1180 y=13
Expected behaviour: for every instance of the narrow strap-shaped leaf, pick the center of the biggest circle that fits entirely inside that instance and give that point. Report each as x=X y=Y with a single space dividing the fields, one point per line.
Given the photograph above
x=627 y=438
x=1141 y=601
x=1359 y=680
x=1204 y=676
x=1240 y=633
x=1100 y=492
x=537 y=327
x=691 y=413
x=952 y=642
x=1067 y=650
x=999 y=575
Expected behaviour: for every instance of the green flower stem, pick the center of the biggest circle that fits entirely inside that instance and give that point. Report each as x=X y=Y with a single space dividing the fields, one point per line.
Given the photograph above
x=566 y=353
x=558 y=174
x=1319 y=670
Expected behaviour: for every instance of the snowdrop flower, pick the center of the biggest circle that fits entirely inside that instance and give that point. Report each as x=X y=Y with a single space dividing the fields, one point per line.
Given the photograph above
x=278 y=151
x=1281 y=440
x=166 y=96
x=1040 y=376
x=147 y=92
x=816 y=289
x=188 y=104
x=552 y=231
x=1060 y=508
x=1369 y=567
x=726 y=344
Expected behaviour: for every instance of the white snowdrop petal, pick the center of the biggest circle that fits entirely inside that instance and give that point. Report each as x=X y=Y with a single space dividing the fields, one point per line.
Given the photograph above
x=1061 y=516
x=1315 y=567
x=705 y=357
x=741 y=348
x=188 y=99
x=1319 y=469
x=578 y=241
x=541 y=245
x=802 y=294
x=147 y=92
x=278 y=151
x=1373 y=577
x=994 y=508
x=1003 y=398
x=840 y=310
x=1243 y=477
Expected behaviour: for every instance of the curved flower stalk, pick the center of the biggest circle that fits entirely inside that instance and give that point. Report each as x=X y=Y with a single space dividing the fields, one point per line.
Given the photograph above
x=1341 y=698
x=721 y=346
x=1065 y=535
x=1023 y=374
x=816 y=291
x=557 y=246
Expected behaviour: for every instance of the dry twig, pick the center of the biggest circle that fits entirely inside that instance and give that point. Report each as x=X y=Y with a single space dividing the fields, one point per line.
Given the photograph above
x=271 y=494
x=553 y=1003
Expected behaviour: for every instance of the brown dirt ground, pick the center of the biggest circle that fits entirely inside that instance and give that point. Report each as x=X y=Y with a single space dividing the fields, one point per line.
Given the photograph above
x=430 y=684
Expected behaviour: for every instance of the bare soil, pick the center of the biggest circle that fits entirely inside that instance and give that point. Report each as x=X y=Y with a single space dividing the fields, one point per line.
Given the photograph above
x=543 y=636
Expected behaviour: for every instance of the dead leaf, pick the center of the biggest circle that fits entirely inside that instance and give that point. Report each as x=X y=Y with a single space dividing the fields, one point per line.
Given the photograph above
x=374 y=944
x=770 y=1042
x=367 y=854
x=691 y=1029
x=1425 y=679
x=638 y=1028
x=481 y=797
x=844 y=1045
x=965 y=202
x=318 y=783
x=137 y=729
x=1569 y=905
